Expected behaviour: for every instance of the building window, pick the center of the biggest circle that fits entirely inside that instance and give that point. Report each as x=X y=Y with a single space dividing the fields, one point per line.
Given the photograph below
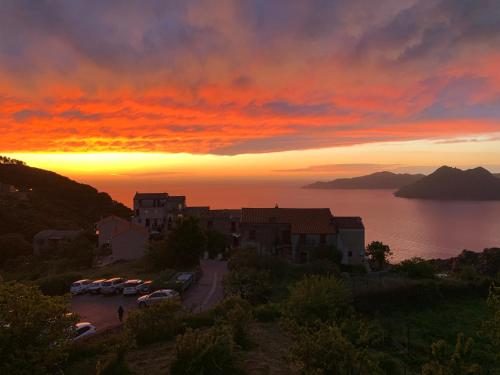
x=137 y=213
x=302 y=239
x=322 y=239
x=285 y=236
x=233 y=226
x=252 y=235
x=349 y=253
x=147 y=222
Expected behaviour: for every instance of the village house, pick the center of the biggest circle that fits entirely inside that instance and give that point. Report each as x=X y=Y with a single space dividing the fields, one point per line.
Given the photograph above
x=296 y=233
x=126 y=240
x=157 y=211
x=52 y=239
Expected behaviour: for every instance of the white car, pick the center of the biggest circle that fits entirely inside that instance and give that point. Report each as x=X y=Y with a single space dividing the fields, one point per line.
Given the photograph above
x=80 y=286
x=156 y=297
x=83 y=329
x=112 y=286
x=130 y=287
x=95 y=286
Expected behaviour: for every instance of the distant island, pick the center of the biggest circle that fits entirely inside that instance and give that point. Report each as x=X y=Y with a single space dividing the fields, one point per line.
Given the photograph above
x=378 y=180
x=448 y=183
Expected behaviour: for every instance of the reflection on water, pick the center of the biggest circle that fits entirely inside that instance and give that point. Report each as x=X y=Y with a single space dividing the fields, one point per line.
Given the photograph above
x=422 y=228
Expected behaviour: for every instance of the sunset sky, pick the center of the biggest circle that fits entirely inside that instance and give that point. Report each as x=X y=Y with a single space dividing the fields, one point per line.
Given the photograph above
x=281 y=88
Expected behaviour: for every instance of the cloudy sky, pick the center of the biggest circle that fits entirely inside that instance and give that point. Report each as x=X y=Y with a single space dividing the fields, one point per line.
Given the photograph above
x=304 y=86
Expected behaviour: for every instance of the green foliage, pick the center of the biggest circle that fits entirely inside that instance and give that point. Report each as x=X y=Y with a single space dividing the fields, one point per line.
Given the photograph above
x=251 y=284
x=182 y=247
x=13 y=245
x=249 y=258
x=204 y=352
x=157 y=322
x=468 y=272
x=199 y=320
x=57 y=285
x=416 y=268
x=326 y=350
x=492 y=325
x=35 y=330
x=268 y=312
x=457 y=363
x=216 y=243
x=236 y=313
x=78 y=253
x=116 y=363
x=317 y=299
x=327 y=253
x=378 y=253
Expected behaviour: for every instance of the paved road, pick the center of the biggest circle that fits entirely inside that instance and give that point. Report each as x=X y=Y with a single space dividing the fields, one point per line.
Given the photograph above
x=102 y=310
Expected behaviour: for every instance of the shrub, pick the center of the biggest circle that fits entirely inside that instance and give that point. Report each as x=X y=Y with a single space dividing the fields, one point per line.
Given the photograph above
x=251 y=284
x=204 y=352
x=236 y=314
x=378 y=253
x=327 y=350
x=200 y=320
x=155 y=323
x=249 y=258
x=416 y=268
x=317 y=267
x=318 y=299
x=57 y=285
x=268 y=312
x=35 y=330
x=14 y=245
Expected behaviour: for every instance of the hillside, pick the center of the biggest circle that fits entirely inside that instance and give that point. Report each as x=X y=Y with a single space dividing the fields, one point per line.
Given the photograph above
x=47 y=200
x=378 y=180
x=448 y=183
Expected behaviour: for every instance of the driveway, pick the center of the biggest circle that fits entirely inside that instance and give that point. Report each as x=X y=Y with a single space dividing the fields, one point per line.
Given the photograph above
x=102 y=311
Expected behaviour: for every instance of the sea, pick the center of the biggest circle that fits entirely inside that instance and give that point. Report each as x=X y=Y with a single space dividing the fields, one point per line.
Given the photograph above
x=411 y=227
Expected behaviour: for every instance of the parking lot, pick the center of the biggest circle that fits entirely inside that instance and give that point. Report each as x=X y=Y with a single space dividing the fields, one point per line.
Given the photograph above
x=102 y=310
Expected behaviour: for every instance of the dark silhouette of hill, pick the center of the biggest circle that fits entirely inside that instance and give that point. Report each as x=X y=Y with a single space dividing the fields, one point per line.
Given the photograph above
x=448 y=183
x=47 y=200
x=378 y=180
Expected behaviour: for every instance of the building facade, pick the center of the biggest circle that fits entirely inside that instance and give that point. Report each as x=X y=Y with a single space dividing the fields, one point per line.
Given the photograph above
x=157 y=211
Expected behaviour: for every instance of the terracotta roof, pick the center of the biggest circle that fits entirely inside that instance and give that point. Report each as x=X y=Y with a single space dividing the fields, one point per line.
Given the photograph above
x=348 y=222
x=225 y=214
x=150 y=195
x=302 y=220
x=112 y=217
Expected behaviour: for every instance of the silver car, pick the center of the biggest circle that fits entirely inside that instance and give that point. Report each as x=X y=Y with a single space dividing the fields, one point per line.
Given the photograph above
x=130 y=287
x=156 y=297
x=80 y=286
x=95 y=286
x=112 y=286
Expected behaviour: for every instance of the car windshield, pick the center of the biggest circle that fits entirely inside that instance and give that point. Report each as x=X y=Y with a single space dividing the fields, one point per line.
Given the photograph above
x=106 y=283
x=75 y=284
x=184 y=277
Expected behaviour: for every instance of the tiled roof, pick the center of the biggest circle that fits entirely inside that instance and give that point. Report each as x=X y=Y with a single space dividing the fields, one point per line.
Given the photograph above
x=302 y=220
x=150 y=195
x=348 y=222
x=225 y=214
x=56 y=234
x=112 y=217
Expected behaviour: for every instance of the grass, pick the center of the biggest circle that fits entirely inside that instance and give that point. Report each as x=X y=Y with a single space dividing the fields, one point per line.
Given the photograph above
x=424 y=326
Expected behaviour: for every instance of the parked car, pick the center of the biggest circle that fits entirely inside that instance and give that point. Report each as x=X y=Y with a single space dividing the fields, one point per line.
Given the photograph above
x=158 y=296
x=80 y=286
x=183 y=281
x=146 y=287
x=130 y=287
x=83 y=329
x=112 y=286
x=95 y=286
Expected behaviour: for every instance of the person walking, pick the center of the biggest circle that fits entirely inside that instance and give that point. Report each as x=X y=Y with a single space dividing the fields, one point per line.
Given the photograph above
x=120 y=313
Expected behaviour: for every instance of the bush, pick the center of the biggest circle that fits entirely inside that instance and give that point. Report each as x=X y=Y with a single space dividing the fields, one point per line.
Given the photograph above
x=200 y=320
x=236 y=314
x=268 y=312
x=57 y=285
x=251 y=284
x=12 y=246
x=155 y=323
x=317 y=267
x=249 y=258
x=318 y=299
x=204 y=352
x=416 y=268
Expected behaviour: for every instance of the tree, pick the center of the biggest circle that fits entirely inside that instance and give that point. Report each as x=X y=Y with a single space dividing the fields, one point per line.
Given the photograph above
x=182 y=247
x=35 y=330
x=458 y=363
x=216 y=242
x=79 y=252
x=492 y=325
x=251 y=284
x=417 y=268
x=12 y=246
x=317 y=299
x=379 y=253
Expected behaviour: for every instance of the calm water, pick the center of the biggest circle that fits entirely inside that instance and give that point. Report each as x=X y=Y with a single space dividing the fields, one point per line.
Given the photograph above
x=428 y=229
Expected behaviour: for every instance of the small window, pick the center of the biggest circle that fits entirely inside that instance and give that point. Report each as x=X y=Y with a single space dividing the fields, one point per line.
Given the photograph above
x=302 y=239
x=233 y=226
x=349 y=253
x=252 y=235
